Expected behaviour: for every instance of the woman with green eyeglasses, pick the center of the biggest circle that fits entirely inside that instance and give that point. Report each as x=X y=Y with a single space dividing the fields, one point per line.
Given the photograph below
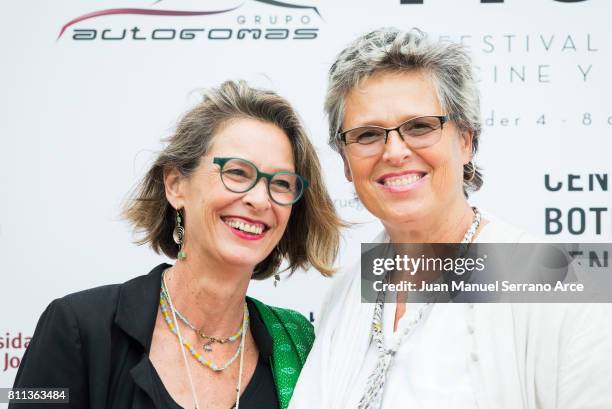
x=237 y=189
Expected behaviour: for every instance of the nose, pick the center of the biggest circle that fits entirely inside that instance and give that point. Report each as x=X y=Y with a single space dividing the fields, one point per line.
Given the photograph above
x=258 y=197
x=396 y=150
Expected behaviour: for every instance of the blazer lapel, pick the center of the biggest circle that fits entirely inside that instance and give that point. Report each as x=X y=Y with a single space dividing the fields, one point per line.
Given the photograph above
x=146 y=397
x=137 y=306
x=136 y=314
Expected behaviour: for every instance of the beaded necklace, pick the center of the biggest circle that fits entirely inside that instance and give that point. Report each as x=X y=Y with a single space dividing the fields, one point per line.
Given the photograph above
x=209 y=339
x=372 y=398
x=163 y=304
x=176 y=330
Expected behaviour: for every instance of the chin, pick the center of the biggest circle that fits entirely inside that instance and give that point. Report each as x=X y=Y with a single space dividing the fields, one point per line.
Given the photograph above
x=238 y=254
x=242 y=261
x=403 y=213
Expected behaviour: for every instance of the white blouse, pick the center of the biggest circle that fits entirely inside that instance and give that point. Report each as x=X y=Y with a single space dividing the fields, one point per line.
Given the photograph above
x=428 y=371
x=493 y=356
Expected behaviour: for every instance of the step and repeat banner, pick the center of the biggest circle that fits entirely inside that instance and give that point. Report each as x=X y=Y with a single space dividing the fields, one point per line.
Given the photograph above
x=89 y=89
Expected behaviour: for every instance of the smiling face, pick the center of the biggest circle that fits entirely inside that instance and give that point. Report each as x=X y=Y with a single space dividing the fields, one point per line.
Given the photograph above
x=236 y=229
x=402 y=184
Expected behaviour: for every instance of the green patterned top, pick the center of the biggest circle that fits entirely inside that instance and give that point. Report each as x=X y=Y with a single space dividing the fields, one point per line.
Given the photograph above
x=293 y=336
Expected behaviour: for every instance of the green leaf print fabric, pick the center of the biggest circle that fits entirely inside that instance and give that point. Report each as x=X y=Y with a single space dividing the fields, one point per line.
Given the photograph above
x=293 y=336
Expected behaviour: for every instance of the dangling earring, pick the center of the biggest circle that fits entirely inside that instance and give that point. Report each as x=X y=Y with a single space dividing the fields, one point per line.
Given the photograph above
x=179 y=235
x=472 y=169
x=276 y=280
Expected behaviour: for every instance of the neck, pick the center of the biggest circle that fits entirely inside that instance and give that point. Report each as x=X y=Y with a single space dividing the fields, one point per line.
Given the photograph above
x=209 y=294
x=448 y=227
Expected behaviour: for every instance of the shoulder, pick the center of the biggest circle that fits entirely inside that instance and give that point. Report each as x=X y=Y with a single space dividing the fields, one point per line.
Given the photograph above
x=566 y=315
x=344 y=294
x=285 y=315
x=546 y=324
x=349 y=276
x=97 y=307
x=76 y=310
x=295 y=324
x=499 y=231
x=99 y=298
x=342 y=283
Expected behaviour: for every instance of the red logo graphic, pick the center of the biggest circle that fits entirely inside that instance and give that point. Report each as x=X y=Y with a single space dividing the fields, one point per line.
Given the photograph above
x=156 y=12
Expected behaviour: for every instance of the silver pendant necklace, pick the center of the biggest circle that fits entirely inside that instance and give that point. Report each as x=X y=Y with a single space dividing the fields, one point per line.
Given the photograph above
x=209 y=340
x=372 y=397
x=188 y=368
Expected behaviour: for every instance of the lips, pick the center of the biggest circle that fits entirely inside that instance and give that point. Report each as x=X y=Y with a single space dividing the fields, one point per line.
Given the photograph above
x=246 y=225
x=400 y=179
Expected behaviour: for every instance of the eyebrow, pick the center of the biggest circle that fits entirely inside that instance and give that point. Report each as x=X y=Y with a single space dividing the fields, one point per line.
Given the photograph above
x=379 y=124
x=282 y=168
x=276 y=170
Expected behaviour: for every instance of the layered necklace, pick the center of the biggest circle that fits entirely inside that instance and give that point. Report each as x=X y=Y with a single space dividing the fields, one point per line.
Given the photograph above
x=372 y=398
x=210 y=340
x=167 y=308
x=207 y=346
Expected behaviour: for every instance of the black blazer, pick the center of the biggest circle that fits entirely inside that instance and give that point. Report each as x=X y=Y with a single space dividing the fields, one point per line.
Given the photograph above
x=96 y=342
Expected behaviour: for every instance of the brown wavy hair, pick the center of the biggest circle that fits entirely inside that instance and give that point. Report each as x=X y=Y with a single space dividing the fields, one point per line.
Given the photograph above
x=313 y=232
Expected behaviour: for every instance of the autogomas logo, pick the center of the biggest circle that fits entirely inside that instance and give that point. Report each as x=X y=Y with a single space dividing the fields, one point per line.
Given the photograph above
x=272 y=20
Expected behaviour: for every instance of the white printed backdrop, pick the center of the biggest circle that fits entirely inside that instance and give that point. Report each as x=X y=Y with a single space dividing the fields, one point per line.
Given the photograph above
x=83 y=115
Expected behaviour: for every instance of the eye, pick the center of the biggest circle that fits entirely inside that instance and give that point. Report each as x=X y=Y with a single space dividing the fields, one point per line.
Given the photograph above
x=420 y=127
x=282 y=184
x=367 y=137
x=239 y=172
x=364 y=136
x=235 y=172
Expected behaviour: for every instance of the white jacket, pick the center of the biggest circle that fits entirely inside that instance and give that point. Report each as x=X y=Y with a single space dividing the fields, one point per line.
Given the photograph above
x=530 y=356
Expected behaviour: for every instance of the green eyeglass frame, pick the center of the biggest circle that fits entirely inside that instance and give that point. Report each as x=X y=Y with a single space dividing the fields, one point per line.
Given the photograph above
x=301 y=183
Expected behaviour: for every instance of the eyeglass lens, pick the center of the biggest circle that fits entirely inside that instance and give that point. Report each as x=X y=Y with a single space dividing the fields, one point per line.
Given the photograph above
x=240 y=176
x=417 y=133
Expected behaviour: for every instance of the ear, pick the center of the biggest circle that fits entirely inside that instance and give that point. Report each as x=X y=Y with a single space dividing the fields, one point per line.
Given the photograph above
x=347 y=168
x=173 y=181
x=466 y=140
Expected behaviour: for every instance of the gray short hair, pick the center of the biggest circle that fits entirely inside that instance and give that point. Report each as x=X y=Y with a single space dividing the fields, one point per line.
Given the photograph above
x=389 y=49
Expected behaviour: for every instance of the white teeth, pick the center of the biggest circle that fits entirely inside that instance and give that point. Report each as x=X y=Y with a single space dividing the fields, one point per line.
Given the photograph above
x=403 y=180
x=249 y=228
